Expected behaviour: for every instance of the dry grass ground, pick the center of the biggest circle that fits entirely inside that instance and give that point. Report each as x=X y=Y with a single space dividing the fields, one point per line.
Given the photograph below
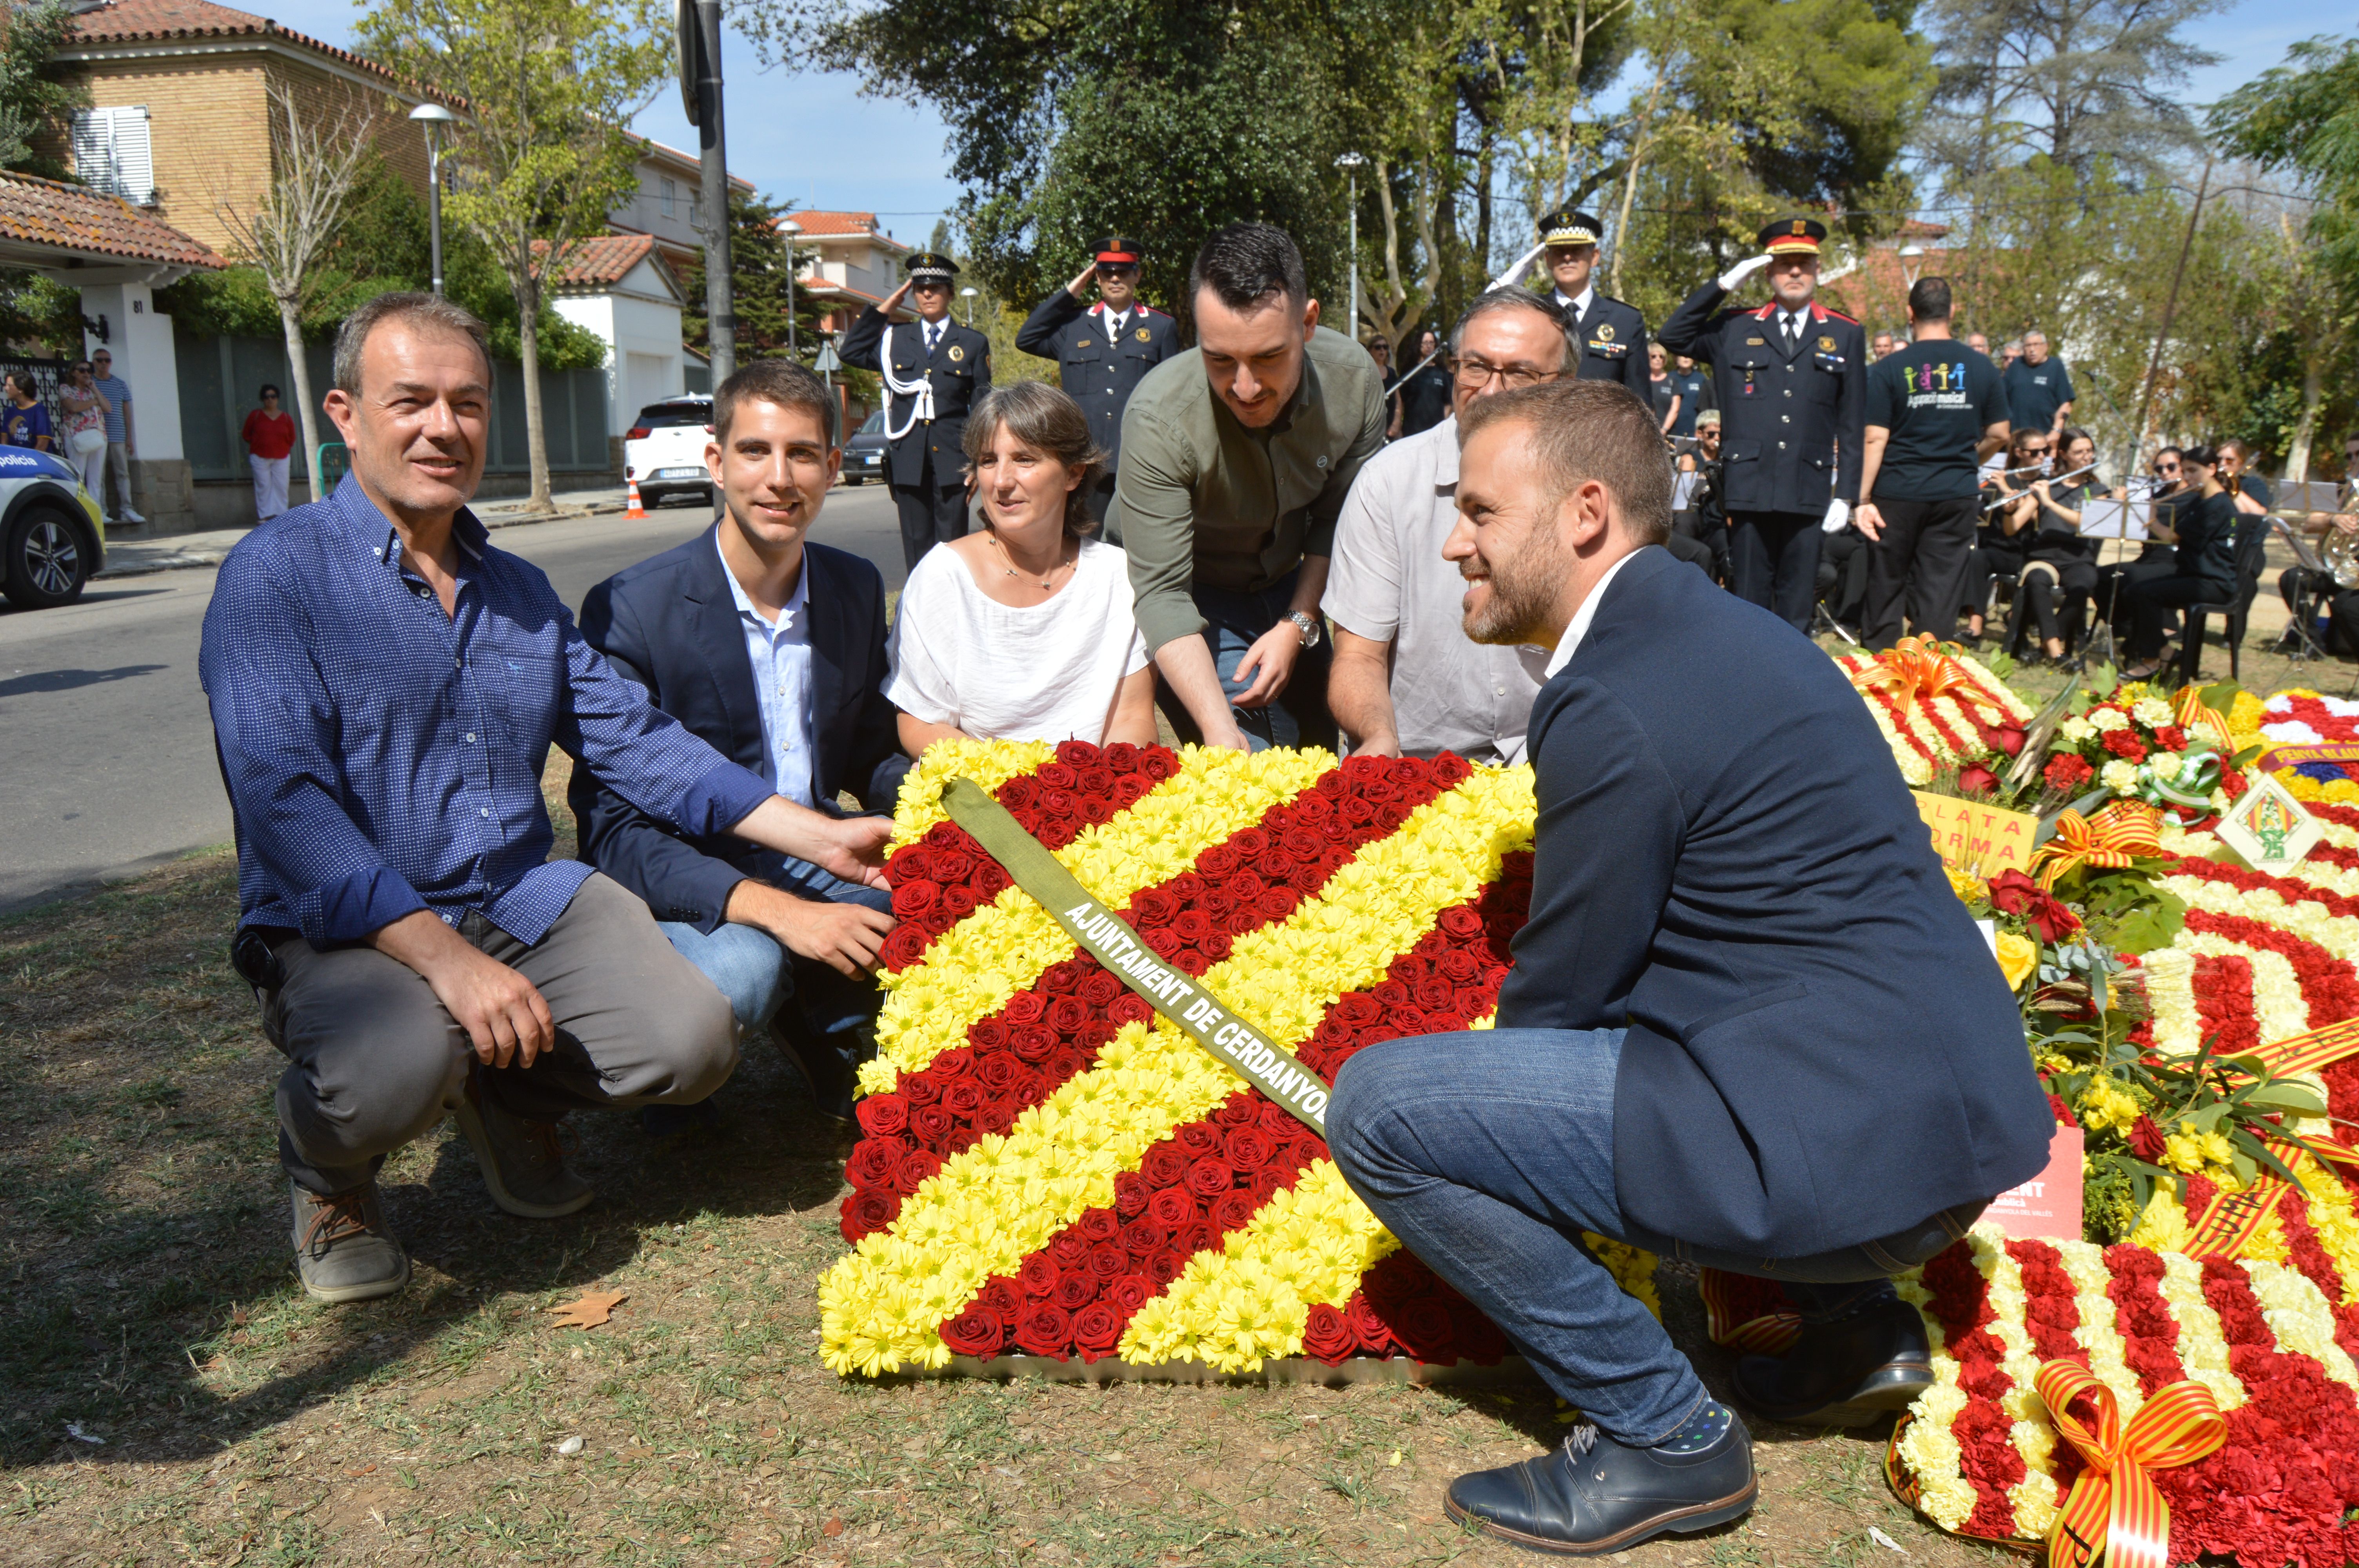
x=148 y=1299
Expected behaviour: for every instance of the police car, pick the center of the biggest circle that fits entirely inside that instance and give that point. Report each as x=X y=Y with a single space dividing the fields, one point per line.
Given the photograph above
x=663 y=451
x=55 y=535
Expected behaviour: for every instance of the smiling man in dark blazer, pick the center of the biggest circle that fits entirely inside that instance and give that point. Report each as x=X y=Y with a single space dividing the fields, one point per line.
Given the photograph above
x=772 y=649
x=1748 y=1024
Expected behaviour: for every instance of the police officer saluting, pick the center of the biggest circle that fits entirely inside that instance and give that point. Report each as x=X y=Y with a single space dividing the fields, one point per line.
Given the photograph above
x=1104 y=350
x=1792 y=380
x=1609 y=336
x=934 y=370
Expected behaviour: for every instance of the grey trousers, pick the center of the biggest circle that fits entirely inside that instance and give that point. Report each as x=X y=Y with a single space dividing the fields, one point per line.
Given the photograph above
x=374 y=1061
x=118 y=463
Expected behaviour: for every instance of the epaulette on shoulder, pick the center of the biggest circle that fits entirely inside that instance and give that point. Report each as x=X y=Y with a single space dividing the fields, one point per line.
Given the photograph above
x=1151 y=310
x=1839 y=315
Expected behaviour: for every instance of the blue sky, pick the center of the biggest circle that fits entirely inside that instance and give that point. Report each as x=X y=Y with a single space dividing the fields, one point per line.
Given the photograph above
x=809 y=136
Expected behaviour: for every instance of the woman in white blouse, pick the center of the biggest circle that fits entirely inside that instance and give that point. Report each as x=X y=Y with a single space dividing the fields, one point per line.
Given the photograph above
x=1023 y=632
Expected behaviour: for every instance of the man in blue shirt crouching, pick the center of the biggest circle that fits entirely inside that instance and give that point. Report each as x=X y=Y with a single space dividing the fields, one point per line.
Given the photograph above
x=385 y=689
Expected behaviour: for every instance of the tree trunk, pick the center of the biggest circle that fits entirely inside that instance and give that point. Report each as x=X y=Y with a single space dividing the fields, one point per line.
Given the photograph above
x=536 y=438
x=1630 y=178
x=2305 y=430
x=298 y=370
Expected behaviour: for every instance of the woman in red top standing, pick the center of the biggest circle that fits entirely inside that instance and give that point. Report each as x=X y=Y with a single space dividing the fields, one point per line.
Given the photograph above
x=270 y=436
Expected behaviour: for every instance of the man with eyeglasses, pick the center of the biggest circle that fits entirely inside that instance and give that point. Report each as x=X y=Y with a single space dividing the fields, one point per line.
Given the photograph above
x=2038 y=386
x=1102 y=352
x=1407 y=681
x=937 y=371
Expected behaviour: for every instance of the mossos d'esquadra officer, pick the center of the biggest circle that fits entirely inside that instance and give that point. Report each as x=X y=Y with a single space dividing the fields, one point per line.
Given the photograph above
x=934 y=370
x=1610 y=337
x=1104 y=350
x=1792 y=379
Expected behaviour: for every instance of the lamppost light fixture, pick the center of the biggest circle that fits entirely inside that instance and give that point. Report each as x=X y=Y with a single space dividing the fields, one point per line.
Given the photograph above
x=432 y=117
x=1351 y=161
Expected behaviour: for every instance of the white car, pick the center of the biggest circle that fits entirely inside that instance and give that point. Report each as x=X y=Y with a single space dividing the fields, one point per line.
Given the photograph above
x=664 y=451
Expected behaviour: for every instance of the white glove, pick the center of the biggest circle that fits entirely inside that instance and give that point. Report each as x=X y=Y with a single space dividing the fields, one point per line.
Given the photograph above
x=1838 y=514
x=1733 y=278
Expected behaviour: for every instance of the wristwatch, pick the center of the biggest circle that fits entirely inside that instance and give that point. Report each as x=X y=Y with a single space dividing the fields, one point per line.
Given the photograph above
x=1308 y=625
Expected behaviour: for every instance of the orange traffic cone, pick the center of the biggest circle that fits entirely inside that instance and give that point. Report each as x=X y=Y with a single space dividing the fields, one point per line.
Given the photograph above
x=632 y=508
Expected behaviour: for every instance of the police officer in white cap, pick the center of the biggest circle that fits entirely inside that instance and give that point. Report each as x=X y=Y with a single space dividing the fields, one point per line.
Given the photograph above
x=935 y=371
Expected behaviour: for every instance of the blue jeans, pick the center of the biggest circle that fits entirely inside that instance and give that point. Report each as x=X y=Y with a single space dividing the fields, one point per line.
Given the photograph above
x=749 y=967
x=1235 y=622
x=1488 y=1153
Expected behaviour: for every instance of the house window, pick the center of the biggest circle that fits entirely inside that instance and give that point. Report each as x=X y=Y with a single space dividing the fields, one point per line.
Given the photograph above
x=110 y=152
x=670 y=198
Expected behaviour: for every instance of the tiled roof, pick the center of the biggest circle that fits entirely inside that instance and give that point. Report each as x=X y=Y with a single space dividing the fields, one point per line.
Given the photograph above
x=843 y=225
x=76 y=219
x=608 y=258
x=134 y=21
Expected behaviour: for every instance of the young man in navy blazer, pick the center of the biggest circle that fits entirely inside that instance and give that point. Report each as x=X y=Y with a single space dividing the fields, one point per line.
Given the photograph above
x=1749 y=1024
x=772 y=649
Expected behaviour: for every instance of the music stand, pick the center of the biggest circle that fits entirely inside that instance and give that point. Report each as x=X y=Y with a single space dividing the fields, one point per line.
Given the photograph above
x=2300 y=643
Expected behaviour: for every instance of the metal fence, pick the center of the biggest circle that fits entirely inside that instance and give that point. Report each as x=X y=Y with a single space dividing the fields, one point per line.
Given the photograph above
x=220 y=378
x=46 y=376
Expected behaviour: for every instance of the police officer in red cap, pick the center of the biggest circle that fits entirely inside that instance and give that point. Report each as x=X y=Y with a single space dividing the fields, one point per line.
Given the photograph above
x=935 y=370
x=1792 y=380
x=1104 y=350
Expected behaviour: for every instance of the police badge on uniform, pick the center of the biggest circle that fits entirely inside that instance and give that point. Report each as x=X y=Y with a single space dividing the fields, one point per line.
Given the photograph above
x=957 y=354
x=1605 y=331
x=1826 y=345
x=1142 y=334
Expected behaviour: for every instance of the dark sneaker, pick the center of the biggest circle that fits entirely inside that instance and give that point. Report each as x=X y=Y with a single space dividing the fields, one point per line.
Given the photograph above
x=1851 y=1372
x=343 y=1249
x=671 y=1120
x=522 y=1164
x=1594 y=1495
x=827 y=1062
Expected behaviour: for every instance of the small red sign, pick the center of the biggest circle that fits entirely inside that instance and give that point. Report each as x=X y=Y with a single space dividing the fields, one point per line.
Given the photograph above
x=2047 y=1205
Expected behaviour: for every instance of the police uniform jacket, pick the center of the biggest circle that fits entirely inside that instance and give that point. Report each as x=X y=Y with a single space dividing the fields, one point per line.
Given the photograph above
x=1790 y=425
x=960 y=369
x=1097 y=374
x=1614 y=346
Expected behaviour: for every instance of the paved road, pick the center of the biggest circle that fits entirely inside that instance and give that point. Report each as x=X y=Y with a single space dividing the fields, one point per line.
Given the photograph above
x=106 y=758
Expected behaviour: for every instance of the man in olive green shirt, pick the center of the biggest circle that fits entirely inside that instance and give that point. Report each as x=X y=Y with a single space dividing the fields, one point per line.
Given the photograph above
x=1236 y=458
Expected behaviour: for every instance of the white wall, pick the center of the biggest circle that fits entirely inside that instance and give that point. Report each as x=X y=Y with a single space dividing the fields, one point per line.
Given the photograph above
x=642 y=349
x=141 y=342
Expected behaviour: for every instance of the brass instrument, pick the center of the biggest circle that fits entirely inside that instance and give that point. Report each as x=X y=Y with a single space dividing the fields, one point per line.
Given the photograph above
x=2338 y=555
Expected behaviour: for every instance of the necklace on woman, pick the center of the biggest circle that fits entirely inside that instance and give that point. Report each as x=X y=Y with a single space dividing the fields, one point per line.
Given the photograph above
x=1009 y=555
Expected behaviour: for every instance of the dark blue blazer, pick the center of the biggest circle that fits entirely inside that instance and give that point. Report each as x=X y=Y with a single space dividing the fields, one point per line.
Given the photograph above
x=671 y=625
x=1821 y=1050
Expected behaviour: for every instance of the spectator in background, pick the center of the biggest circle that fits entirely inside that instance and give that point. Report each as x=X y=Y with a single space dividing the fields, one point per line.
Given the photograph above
x=269 y=436
x=25 y=421
x=1380 y=349
x=2009 y=353
x=1407 y=681
x=1695 y=389
x=85 y=410
x=1979 y=343
x=1695 y=483
x=1425 y=393
x=119 y=436
x=2038 y=387
x=1663 y=388
x=1881 y=346
x=1023 y=631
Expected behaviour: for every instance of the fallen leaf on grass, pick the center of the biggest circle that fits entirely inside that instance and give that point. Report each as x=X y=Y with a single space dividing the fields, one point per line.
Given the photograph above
x=75 y=1431
x=831 y=1529
x=592 y=1309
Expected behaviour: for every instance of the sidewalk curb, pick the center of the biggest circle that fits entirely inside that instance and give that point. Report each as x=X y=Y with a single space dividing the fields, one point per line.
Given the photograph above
x=213 y=556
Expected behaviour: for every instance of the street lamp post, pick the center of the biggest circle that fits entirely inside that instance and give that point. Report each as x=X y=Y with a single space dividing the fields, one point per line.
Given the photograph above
x=789 y=229
x=968 y=294
x=1909 y=256
x=432 y=117
x=1350 y=164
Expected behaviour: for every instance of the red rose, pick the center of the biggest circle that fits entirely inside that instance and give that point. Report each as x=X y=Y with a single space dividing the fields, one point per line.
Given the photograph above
x=1264 y=1186
x=2009 y=738
x=904 y=947
x=2146 y=1139
x=1977 y=780
x=1000 y=1297
x=2124 y=745
x=1075 y=754
x=1107 y=1261
x=960 y=1140
x=1219 y=863
x=1130 y=1292
x=1131 y=1194
x=952 y=866
x=1039 y=1276
x=956 y=905
x=1159 y=762
x=1063 y=1062
x=1099 y=990
x=1197 y=1236
x=1067 y=1015
x=1164 y=1164
x=1450 y=770
x=1129 y=1008
x=1327 y=1334
x=1018 y=794
x=1076 y=1288
x=1068 y=1247
x=1239 y=922
x=873 y=1161
x=1460 y=923
x=1165 y=1265
x=992 y=880
x=1233 y=1209
x=1276 y=904
x=1097 y=1329
x=1023 y=1007
x=932 y=1124
x=1097 y=1224
x=1065 y=978
x=1033 y=1042
x=910 y=863
x=1143 y=1235
x=1356 y=1009
x=883 y=1116
x=1055 y=776
x=1251 y=843
x=1209 y=1178
x=1198 y=1140
x=1422 y=1325
x=915 y=1169
x=912 y=901
x=1247 y=1149
x=1368 y=1326
x=1044 y=1330
x=1121 y=757
x=2067 y=771
x=1171 y=1209
x=865 y=1213
x=974 y=1332
x=963 y=1097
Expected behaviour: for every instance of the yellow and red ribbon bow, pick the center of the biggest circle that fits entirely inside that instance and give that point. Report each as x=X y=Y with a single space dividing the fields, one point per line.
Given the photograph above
x=2194 y=715
x=2118 y=835
x=2114 y=1510
x=1920 y=669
